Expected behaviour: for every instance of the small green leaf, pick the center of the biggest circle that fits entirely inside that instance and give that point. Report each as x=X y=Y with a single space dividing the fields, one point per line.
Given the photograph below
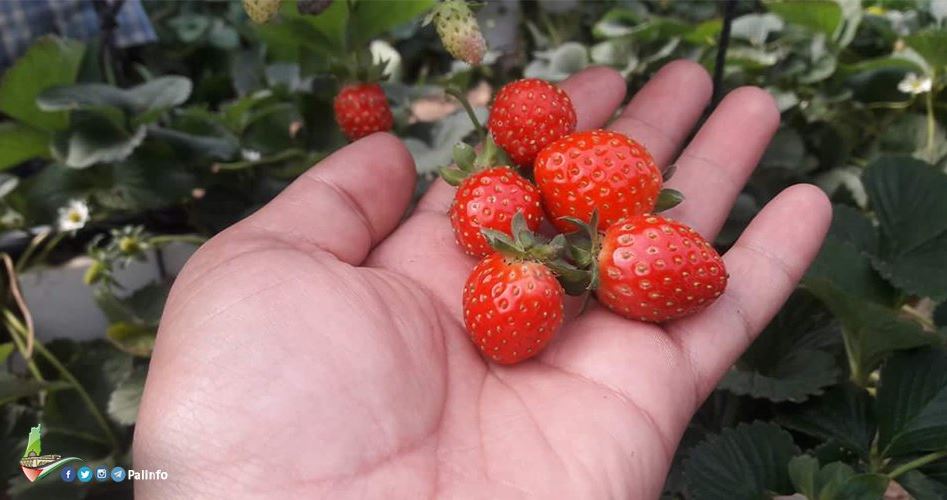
x=844 y=414
x=154 y=95
x=137 y=340
x=19 y=142
x=453 y=175
x=49 y=62
x=464 y=156
x=834 y=481
x=668 y=199
x=6 y=349
x=912 y=403
x=818 y=15
x=930 y=45
x=910 y=199
x=125 y=399
x=748 y=462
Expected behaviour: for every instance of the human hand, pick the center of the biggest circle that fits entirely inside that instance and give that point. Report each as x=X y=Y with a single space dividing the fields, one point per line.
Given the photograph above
x=317 y=348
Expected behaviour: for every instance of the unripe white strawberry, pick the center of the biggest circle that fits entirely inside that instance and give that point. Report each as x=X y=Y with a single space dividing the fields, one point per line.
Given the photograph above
x=457 y=26
x=261 y=11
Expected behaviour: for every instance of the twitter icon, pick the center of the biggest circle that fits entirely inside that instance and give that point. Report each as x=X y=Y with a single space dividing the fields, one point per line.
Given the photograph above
x=84 y=474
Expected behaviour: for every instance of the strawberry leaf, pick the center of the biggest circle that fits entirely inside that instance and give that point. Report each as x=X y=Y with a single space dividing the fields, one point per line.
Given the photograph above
x=836 y=480
x=668 y=199
x=844 y=414
x=747 y=461
x=912 y=403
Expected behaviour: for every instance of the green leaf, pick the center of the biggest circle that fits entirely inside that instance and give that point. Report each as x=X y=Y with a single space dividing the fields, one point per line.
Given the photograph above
x=154 y=95
x=844 y=414
x=197 y=147
x=19 y=142
x=782 y=364
x=849 y=225
x=817 y=15
x=125 y=399
x=372 y=19
x=6 y=349
x=910 y=200
x=746 y=462
x=843 y=268
x=135 y=339
x=930 y=45
x=834 y=481
x=95 y=137
x=921 y=486
x=13 y=388
x=49 y=62
x=912 y=403
x=864 y=487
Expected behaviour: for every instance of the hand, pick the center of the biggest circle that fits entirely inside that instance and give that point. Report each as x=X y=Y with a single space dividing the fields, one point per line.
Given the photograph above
x=316 y=349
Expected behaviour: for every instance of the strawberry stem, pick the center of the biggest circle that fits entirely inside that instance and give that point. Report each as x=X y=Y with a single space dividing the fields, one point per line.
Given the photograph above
x=457 y=94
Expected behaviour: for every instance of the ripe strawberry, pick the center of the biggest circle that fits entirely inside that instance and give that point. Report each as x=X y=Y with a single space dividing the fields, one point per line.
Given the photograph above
x=527 y=115
x=596 y=169
x=459 y=32
x=512 y=307
x=489 y=199
x=655 y=269
x=362 y=109
x=261 y=11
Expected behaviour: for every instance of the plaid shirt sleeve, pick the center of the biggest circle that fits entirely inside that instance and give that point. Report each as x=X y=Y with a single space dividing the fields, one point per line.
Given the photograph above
x=22 y=21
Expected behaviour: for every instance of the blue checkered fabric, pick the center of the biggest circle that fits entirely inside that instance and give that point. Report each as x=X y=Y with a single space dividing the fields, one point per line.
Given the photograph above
x=22 y=21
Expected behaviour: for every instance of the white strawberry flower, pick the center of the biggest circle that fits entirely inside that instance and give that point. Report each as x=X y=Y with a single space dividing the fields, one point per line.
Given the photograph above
x=914 y=85
x=73 y=216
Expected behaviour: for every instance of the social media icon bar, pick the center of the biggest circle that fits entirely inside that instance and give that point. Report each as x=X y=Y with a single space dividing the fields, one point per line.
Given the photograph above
x=118 y=474
x=68 y=474
x=84 y=474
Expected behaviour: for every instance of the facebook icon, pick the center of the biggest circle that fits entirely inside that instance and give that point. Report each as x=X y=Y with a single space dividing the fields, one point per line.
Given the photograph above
x=68 y=474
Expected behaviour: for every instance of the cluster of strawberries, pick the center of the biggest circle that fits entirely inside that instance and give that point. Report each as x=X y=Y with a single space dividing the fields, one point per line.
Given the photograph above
x=600 y=190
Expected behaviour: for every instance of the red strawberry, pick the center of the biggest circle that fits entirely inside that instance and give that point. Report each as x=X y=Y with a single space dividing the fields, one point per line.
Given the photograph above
x=651 y=268
x=489 y=199
x=361 y=109
x=597 y=169
x=527 y=115
x=512 y=307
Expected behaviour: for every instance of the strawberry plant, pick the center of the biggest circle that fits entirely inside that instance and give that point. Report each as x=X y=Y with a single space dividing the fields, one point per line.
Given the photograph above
x=114 y=157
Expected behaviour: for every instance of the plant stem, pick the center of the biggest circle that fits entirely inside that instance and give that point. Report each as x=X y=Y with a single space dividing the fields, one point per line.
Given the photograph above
x=858 y=378
x=68 y=376
x=44 y=253
x=21 y=346
x=457 y=94
x=931 y=125
x=918 y=462
x=177 y=238
x=30 y=250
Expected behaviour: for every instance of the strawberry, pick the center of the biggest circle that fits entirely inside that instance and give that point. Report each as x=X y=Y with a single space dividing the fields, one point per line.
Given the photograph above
x=261 y=11
x=457 y=27
x=361 y=109
x=512 y=307
x=596 y=169
x=655 y=269
x=489 y=199
x=527 y=115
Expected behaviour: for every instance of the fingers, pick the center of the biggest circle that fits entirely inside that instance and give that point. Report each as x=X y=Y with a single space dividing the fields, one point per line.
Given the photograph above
x=715 y=165
x=764 y=265
x=347 y=203
x=663 y=113
x=595 y=93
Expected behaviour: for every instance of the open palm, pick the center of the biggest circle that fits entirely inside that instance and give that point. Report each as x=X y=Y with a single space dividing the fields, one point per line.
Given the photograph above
x=316 y=349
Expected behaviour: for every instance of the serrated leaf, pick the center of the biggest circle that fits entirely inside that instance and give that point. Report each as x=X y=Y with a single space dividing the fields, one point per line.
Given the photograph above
x=781 y=364
x=95 y=137
x=154 y=95
x=19 y=142
x=125 y=399
x=912 y=403
x=844 y=414
x=746 y=462
x=49 y=62
x=851 y=226
x=840 y=266
x=910 y=199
